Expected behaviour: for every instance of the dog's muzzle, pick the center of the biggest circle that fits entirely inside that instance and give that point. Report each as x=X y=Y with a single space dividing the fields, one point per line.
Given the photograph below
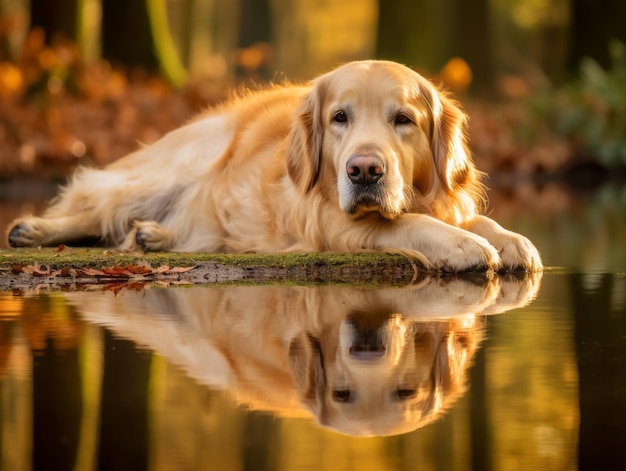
x=366 y=174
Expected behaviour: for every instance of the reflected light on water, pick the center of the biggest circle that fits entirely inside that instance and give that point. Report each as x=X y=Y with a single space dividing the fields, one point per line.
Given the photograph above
x=359 y=361
x=242 y=377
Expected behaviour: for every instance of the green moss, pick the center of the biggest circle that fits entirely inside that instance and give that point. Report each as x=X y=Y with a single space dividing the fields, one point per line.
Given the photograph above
x=33 y=267
x=99 y=258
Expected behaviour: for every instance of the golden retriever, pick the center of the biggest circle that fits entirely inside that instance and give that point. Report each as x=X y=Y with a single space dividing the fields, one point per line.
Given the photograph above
x=361 y=361
x=370 y=156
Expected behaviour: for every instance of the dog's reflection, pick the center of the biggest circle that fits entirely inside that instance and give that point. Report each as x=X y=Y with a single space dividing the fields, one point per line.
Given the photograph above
x=382 y=373
x=363 y=361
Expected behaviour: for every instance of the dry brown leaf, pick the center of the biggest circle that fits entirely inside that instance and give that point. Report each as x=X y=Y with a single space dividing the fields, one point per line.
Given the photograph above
x=139 y=269
x=114 y=287
x=67 y=271
x=181 y=269
x=89 y=272
x=36 y=270
x=136 y=285
x=117 y=271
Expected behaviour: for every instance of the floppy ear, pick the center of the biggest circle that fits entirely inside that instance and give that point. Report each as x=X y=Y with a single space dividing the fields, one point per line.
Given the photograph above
x=306 y=367
x=460 y=194
x=304 y=146
x=453 y=160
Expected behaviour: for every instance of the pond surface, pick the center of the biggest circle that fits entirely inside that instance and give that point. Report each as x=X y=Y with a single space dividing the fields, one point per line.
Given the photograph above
x=512 y=373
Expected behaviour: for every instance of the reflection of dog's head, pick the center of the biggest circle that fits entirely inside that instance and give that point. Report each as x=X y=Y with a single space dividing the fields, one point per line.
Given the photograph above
x=382 y=374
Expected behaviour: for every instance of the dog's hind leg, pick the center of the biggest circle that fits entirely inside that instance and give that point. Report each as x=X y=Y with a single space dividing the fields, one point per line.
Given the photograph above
x=75 y=215
x=34 y=231
x=101 y=205
x=148 y=236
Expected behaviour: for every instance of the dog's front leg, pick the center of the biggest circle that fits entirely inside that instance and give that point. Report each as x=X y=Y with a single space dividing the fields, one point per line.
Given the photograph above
x=516 y=251
x=447 y=248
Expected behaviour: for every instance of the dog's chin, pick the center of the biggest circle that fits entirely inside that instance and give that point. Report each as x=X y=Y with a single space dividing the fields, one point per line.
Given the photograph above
x=368 y=202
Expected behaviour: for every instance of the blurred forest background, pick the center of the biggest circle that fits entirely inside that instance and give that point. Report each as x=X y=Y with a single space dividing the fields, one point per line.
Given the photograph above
x=544 y=81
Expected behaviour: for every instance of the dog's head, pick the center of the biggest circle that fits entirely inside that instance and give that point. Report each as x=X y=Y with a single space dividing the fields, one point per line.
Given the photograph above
x=383 y=374
x=379 y=138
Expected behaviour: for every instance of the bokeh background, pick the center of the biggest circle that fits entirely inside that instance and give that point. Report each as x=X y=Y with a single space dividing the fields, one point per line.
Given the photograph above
x=84 y=80
x=544 y=83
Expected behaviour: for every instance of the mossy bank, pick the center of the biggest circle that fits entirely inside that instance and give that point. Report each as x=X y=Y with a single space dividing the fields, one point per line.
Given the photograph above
x=63 y=266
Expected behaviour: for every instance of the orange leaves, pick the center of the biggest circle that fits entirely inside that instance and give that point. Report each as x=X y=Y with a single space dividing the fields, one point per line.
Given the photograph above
x=56 y=109
x=456 y=74
x=125 y=272
x=177 y=269
x=34 y=270
x=11 y=80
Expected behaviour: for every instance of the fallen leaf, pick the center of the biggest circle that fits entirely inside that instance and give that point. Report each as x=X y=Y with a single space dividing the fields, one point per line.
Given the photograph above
x=89 y=272
x=117 y=271
x=36 y=270
x=181 y=269
x=114 y=287
x=136 y=285
x=139 y=269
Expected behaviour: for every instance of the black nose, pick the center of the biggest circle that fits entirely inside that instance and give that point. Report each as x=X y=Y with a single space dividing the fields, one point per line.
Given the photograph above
x=367 y=338
x=365 y=169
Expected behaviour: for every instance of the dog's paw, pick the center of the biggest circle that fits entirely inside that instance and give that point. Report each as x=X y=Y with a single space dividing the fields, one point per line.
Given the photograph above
x=148 y=236
x=467 y=253
x=517 y=289
x=25 y=233
x=517 y=253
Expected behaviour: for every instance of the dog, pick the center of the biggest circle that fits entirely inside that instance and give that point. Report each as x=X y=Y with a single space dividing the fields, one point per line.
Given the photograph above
x=360 y=361
x=368 y=157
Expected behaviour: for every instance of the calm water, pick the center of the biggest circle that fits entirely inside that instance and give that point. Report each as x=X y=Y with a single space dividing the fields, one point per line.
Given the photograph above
x=446 y=374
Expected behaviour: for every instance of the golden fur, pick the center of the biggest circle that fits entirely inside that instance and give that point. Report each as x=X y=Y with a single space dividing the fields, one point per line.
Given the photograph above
x=360 y=361
x=370 y=156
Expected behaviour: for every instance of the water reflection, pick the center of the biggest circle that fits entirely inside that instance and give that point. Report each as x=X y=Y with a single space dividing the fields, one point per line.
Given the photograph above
x=547 y=389
x=362 y=361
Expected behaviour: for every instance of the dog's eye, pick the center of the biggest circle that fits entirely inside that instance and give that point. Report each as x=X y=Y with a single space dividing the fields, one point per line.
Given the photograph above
x=402 y=119
x=405 y=394
x=343 y=395
x=340 y=117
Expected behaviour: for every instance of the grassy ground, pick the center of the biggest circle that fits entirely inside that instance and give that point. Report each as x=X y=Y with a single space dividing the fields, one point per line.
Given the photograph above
x=63 y=266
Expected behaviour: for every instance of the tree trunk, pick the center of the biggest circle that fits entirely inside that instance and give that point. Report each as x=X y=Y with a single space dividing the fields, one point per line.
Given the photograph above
x=254 y=33
x=406 y=33
x=593 y=25
x=600 y=333
x=55 y=17
x=472 y=41
x=126 y=36
x=254 y=22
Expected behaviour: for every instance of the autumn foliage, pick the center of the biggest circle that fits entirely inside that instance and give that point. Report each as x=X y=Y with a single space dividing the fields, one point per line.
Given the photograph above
x=57 y=111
